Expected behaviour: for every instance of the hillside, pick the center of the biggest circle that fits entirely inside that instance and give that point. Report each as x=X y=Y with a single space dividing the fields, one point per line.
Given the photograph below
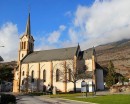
x=118 y=52
x=11 y=64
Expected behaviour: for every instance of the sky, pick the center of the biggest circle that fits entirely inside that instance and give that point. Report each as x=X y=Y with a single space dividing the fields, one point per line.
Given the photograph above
x=62 y=23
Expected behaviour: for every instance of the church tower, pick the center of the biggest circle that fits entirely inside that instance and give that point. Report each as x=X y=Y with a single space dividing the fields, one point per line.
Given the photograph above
x=26 y=42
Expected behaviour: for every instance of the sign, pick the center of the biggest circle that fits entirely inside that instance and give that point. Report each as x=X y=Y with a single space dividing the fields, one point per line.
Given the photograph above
x=83 y=86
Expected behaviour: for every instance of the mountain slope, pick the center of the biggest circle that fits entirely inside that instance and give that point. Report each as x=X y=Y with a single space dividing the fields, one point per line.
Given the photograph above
x=118 y=53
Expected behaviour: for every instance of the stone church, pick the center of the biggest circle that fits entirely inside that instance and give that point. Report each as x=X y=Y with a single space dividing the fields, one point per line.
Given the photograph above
x=56 y=67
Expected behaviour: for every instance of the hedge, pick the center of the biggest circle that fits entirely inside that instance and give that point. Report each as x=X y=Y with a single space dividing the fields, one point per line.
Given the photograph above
x=7 y=99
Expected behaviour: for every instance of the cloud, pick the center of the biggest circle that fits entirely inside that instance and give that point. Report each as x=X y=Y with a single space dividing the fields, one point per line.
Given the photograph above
x=55 y=35
x=9 y=39
x=68 y=14
x=50 y=40
x=103 y=22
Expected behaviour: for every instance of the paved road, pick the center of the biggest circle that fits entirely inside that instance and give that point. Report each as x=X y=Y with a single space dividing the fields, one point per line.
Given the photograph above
x=44 y=100
x=31 y=100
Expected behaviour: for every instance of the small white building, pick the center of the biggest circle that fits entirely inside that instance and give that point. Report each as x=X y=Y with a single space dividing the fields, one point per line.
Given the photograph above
x=43 y=67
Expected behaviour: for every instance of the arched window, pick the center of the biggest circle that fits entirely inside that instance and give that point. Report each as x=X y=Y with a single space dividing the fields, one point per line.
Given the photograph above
x=57 y=75
x=30 y=46
x=23 y=73
x=24 y=45
x=44 y=75
x=22 y=82
x=22 y=55
x=69 y=75
x=32 y=74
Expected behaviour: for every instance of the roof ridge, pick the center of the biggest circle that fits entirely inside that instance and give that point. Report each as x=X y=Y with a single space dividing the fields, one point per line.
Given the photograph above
x=55 y=49
x=53 y=54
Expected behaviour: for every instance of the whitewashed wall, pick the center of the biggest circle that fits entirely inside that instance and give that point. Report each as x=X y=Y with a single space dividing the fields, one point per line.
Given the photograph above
x=23 y=68
x=70 y=85
x=45 y=66
x=57 y=65
x=59 y=84
x=16 y=75
x=88 y=63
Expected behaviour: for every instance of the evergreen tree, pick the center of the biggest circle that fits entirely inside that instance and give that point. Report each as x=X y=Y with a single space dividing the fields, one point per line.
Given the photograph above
x=110 y=78
x=6 y=74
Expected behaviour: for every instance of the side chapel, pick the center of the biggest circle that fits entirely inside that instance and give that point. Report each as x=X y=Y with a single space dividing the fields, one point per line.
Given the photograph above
x=38 y=68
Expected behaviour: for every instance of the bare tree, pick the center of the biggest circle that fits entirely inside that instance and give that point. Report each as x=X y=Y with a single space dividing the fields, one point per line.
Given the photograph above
x=72 y=71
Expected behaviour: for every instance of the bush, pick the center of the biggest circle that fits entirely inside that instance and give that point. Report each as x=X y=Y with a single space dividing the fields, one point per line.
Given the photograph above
x=8 y=99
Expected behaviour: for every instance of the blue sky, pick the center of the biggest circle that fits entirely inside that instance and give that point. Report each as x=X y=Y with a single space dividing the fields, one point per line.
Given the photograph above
x=63 y=23
x=46 y=15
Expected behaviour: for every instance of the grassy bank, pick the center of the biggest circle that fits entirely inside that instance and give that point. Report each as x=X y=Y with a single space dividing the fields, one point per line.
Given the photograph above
x=104 y=99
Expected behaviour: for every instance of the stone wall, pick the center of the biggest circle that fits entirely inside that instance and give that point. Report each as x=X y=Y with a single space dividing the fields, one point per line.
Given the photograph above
x=120 y=88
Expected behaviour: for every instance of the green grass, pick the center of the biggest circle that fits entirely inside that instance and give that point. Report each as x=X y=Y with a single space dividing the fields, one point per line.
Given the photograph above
x=106 y=99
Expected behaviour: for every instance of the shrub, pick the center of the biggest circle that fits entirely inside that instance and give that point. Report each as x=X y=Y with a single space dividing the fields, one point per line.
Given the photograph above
x=8 y=99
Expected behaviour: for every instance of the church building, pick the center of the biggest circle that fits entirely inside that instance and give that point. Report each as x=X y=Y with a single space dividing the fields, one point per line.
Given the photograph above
x=55 y=67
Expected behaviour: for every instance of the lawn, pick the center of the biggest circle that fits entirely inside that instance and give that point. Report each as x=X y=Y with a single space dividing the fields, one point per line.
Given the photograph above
x=104 y=99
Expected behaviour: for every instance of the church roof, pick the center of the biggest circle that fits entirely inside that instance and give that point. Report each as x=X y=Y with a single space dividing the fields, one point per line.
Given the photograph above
x=50 y=55
x=87 y=54
x=98 y=66
x=1 y=59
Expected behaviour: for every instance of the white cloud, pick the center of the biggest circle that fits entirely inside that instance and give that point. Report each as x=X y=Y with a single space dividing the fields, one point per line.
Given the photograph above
x=73 y=36
x=68 y=13
x=55 y=35
x=50 y=40
x=62 y=28
x=103 y=22
x=9 y=39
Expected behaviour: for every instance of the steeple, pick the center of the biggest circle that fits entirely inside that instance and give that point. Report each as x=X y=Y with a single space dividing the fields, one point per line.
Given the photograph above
x=26 y=41
x=94 y=54
x=28 y=27
x=78 y=50
x=93 y=51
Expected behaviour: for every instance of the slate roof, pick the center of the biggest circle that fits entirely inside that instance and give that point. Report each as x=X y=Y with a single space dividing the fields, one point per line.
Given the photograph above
x=48 y=55
x=1 y=59
x=87 y=54
x=98 y=66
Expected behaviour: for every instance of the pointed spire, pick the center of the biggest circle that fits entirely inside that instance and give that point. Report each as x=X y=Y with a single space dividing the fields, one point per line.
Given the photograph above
x=93 y=51
x=28 y=28
x=78 y=50
x=78 y=44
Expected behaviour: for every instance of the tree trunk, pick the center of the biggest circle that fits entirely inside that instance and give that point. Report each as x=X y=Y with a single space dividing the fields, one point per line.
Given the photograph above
x=74 y=87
